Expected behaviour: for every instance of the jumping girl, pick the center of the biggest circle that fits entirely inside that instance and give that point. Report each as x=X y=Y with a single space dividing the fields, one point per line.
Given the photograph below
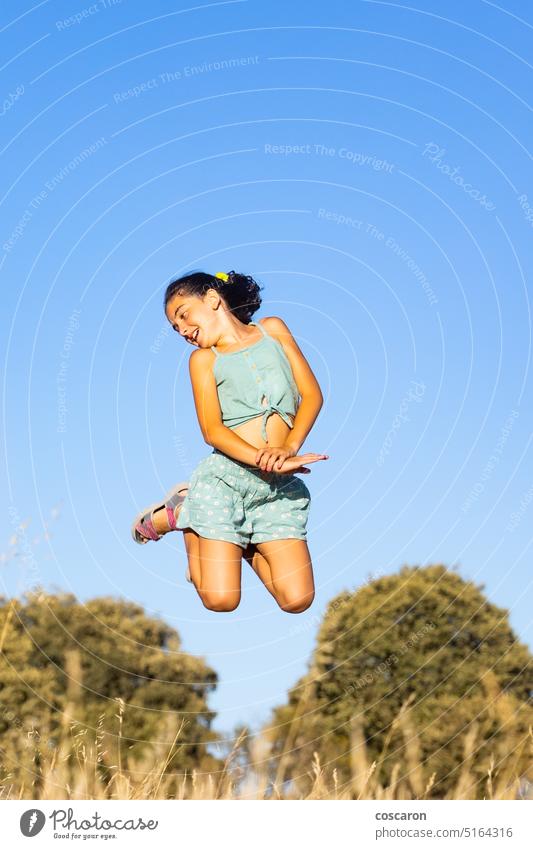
x=244 y=499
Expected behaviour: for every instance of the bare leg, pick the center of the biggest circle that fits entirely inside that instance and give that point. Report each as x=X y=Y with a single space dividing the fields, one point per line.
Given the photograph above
x=192 y=547
x=291 y=573
x=289 y=592
x=191 y=539
x=260 y=566
x=215 y=567
x=252 y=556
x=219 y=565
x=160 y=519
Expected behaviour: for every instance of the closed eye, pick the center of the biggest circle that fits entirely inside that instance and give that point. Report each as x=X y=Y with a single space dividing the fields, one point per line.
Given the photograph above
x=174 y=326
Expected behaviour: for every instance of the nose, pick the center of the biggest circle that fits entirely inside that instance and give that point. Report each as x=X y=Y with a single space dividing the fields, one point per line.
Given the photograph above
x=184 y=334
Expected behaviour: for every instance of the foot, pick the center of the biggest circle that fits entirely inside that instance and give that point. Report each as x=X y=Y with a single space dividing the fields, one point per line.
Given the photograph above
x=160 y=519
x=157 y=520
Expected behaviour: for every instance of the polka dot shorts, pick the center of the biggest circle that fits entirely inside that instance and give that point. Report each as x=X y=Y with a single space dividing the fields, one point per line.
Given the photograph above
x=232 y=501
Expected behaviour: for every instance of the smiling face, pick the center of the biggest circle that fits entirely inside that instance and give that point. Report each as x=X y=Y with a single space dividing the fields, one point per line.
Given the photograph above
x=194 y=317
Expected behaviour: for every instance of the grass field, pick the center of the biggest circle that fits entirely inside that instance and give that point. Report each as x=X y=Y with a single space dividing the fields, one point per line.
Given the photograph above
x=75 y=769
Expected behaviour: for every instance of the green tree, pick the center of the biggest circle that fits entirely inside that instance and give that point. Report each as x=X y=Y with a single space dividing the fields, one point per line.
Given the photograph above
x=106 y=668
x=419 y=673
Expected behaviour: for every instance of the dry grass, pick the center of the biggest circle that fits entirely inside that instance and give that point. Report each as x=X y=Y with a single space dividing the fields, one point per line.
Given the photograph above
x=84 y=768
x=93 y=766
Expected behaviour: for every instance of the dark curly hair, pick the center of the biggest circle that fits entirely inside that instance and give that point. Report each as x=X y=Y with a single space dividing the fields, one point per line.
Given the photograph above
x=240 y=292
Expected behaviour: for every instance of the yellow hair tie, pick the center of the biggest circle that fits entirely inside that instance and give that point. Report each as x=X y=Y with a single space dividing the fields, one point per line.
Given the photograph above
x=223 y=276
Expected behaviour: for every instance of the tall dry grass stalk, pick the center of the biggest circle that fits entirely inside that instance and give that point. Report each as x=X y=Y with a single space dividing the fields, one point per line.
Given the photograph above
x=75 y=763
x=294 y=728
x=72 y=771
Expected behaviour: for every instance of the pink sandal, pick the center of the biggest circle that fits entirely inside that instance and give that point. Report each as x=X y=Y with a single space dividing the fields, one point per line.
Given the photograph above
x=143 y=529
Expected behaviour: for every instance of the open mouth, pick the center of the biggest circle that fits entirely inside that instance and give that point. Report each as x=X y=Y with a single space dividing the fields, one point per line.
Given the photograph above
x=194 y=338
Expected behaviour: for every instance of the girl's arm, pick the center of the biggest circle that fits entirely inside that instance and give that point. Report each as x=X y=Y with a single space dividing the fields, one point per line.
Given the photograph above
x=209 y=413
x=308 y=387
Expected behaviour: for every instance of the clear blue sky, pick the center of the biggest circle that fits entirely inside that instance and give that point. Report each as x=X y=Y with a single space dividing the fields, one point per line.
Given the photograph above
x=368 y=163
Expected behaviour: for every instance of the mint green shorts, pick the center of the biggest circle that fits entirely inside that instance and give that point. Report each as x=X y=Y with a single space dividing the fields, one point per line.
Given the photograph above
x=232 y=501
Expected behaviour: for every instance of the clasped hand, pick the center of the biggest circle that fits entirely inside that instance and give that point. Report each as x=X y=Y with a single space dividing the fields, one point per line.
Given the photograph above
x=285 y=460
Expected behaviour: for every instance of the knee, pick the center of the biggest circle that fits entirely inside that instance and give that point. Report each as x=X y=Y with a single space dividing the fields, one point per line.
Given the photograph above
x=221 y=602
x=296 y=604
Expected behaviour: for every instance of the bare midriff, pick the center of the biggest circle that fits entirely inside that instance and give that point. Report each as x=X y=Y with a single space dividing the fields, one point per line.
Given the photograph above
x=277 y=431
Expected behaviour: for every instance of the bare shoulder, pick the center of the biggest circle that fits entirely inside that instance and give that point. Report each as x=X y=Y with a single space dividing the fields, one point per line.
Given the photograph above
x=277 y=327
x=199 y=353
x=201 y=358
x=303 y=374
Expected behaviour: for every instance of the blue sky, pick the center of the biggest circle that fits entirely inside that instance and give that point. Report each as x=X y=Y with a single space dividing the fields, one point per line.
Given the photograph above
x=368 y=164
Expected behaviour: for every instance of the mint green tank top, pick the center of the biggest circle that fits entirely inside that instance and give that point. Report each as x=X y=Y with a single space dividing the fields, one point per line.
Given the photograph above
x=257 y=380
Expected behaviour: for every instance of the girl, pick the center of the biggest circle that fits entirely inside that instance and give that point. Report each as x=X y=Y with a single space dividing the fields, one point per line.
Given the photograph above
x=243 y=499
